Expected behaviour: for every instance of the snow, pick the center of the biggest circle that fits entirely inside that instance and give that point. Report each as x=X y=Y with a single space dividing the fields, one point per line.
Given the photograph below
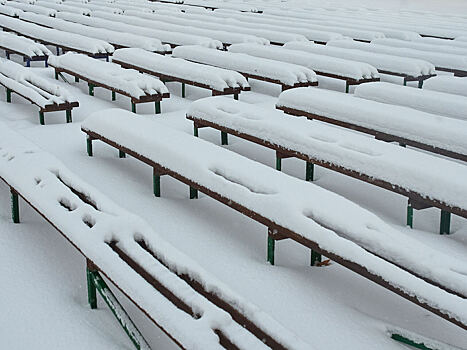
x=318 y=63
x=286 y=73
x=439 y=59
x=448 y=84
x=23 y=81
x=10 y=11
x=216 y=78
x=33 y=8
x=23 y=45
x=115 y=38
x=421 y=46
x=164 y=36
x=382 y=62
x=56 y=37
x=59 y=7
x=429 y=129
x=130 y=81
x=434 y=102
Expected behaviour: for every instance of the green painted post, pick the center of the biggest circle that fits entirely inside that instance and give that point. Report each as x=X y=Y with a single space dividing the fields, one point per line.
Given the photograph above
x=420 y=84
x=68 y=116
x=56 y=75
x=158 y=107
x=271 y=246
x=76 y=80
x=14 y=206
x=278 y=163
x=224 y=138
x=133 y=107
x=89 y=146
x=8 y=95
x=193 y=193
x=346 y=87
x=405 y=82
x=156 y=181
x=41 y=118
x=92 y=297
x=121 y=154
x=310 y=170
x=183 y=90
x=236 y=97
x=91 y=89
x=315 y=258
x=114 y=97
x=195 y=130
x=445 y=222
x=409 y=215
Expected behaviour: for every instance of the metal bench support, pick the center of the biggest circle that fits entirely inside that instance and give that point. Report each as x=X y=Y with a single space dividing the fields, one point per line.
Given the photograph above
x=310 y=170
x=41 y=118
x=315 y=258
x=68 y=116
x=89 y=146
x=14 y=206
x=183 y=90
x=133 y=107
x=195 y=131
x=278 y=162
x=445 y=222
x=121 y=154
x=409 y=215
x=91 y=89
x=158 y=107
x=224 y=138
x=76 y=80
x=271 y=246
x=156 y=183
x=114 y=97
x=8 y=95
x=193 y=193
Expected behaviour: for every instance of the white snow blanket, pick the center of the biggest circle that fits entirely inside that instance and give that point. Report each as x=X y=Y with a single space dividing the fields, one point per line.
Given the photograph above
x=439 y=59
x=448 y=84
x=286 y=73
x=451 y=43
x=216 y=78
x=223 y=36
x=426 y=128
x=129 y=81
x=46 y=183
x=286 y=201
x=92 y=7
x=10 y=11
x=66 y=8
x=22 y=45
x=115 y=38
x=422 y=46
x=56 y=37
x=163 y=35
x=447 y=105
x=23 y=81
x=318 y=63
x=382 y=62
x=33 y=8
x=460 y=39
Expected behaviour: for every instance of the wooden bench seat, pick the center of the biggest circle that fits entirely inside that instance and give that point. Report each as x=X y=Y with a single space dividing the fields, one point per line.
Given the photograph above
x=352 y=72
x=138 y=87
x=219 y=81
x=286 y=75
x=195 y=309
x=381 y=164
x=289 y=207
x=24 y=47
x=37 y=90
x=429 y=132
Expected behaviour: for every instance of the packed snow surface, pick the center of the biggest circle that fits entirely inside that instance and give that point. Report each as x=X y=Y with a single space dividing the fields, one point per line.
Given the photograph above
x=23 y=45
x=448 y=84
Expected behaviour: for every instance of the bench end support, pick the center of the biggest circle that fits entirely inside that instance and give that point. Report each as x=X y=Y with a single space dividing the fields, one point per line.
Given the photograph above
x=14 y=206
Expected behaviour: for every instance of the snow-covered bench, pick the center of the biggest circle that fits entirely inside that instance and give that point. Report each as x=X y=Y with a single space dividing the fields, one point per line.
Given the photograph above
x=450 y=85
x=27 y=48
x=138 y=87
x=369 y=160
x=58 y=38
x=23 y=82
x=440 y=103
x=409 y=69
x=219 y=81
x=116 y=39
x=291 y=208
x=430 y=132
x=285 y=74
x=352 y=72
x=194 y=308
x=32 y=8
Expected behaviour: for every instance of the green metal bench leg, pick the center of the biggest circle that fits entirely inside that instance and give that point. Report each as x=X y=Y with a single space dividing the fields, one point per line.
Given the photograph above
x=405 y=82
x=14 y=206
x=41 y=118
x=8 y=95
x=278 y=163
x=310 y=170
x=315 y=258
x=92 y=297
x=158 y=107
x=156 y=184
x=133 y=107
x=271 y=247
x=183 y=90
x=409 y=215
x=56 y=75
x=420 y=84
x=121 y=154
x=114 y=97
x=409 y=342
x=224 y=138
x=193 y=193
x=91 y=89
x=68 y=116
x=76 y=80
x=195 y=131
x=236 y=97
x=89 y=146
x=347 y=87
x=445 y=222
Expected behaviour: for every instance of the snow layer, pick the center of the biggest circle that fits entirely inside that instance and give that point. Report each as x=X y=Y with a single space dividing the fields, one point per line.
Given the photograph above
x=447 y=105
x=80 y=10
x=382 y=62
x=429 y=129
x=216 y=78
x=10 y=11
x=275 y=195
x=318 y=63
x=115 y=38
x=439 y=59
x=422 y=46
x=23 y=45
x=286 y=73
x=33 y=8
x=130 y=81
x=164 y=36
x=23 y=81
x=46 y=183
x=448 y=84
x=56 y=37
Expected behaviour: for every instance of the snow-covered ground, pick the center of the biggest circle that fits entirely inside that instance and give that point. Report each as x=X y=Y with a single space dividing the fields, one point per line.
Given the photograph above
x=43 y=293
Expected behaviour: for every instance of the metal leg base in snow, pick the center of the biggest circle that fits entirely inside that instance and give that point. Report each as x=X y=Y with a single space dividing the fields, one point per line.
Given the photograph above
x=76 y=80
x=195 y=131
x=409 y=215
x=236 y=97
x=133 y=107
x=14 y=206
x=121 y=154
x=8 y=95
x=224 y=138
x=278 y=163
x=310 y=170
x=315 y=258
x=68 y=116
x=158 y=107
x=92 y=297
x=56 y=75
x=28 y=63
x=347 y=87
x=114 y=97
x=420 y=84
x=271 y=247
x=41 y=118
x=183 y=90
x=89 y=146
x=91 y=89
x=193 y=193
x=445 y=223
x=156 y=184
